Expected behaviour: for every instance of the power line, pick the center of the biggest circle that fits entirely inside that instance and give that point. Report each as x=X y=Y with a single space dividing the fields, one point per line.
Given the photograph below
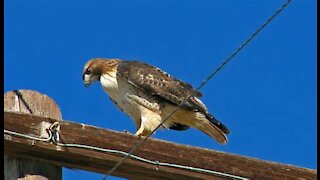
x=201 y=85
x=17 y=92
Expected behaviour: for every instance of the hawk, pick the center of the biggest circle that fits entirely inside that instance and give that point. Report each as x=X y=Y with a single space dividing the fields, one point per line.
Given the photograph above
x=148 y=95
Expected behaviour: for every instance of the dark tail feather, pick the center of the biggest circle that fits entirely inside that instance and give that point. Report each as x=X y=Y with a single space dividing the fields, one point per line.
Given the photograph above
x=179 y=127
x=214 y=121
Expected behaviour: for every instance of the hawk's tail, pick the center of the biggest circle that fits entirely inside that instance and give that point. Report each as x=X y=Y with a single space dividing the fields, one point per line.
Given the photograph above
x=212 y=128
x=217 y=123
x=205 y=122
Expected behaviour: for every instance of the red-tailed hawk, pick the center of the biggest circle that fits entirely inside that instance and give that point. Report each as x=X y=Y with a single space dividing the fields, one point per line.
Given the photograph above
x=148 y=95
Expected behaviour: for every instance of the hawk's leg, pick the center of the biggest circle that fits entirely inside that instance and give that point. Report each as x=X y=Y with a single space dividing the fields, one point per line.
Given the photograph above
x=139 y=131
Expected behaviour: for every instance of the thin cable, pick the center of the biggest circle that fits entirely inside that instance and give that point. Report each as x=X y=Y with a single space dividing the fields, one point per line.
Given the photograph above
x=28 y=136
x=201 y=85
x=52 y=131
x=23 y=100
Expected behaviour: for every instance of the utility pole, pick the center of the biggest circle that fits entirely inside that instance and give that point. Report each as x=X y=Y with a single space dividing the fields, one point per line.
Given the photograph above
x=30 y=102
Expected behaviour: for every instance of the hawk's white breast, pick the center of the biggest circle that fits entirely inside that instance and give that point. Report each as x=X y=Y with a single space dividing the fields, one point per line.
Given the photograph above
x=128 y=98
x=118 y=92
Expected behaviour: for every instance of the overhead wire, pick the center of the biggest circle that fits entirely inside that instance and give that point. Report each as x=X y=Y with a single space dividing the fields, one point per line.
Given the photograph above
x=54 y=134
x=251 y=37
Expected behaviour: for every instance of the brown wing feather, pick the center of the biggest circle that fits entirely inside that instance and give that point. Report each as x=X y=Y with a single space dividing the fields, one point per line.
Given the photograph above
x=156 y=82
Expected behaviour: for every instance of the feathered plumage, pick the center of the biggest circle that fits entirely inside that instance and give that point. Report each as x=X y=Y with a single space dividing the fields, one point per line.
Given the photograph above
x=148 y=95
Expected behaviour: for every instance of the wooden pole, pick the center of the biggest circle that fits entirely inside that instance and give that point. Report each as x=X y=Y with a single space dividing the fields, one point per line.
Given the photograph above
x=155 y=150
x=30 y=102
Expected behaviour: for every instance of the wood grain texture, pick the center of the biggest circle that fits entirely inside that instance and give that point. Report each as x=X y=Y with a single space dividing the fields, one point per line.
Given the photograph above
x=153 y=149
x=30 y=102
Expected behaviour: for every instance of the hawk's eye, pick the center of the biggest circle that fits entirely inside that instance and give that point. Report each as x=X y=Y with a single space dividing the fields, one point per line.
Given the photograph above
x=88 y=71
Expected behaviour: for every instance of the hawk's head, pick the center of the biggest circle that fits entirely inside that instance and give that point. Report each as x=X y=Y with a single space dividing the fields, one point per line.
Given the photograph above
x=94 y=68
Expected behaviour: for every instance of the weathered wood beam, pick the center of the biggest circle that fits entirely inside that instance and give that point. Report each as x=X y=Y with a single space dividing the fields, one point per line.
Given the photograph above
x=153 y=149
x=30 y=102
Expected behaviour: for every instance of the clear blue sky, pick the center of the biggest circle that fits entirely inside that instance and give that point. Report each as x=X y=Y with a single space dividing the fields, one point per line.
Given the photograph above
x=266 y=95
